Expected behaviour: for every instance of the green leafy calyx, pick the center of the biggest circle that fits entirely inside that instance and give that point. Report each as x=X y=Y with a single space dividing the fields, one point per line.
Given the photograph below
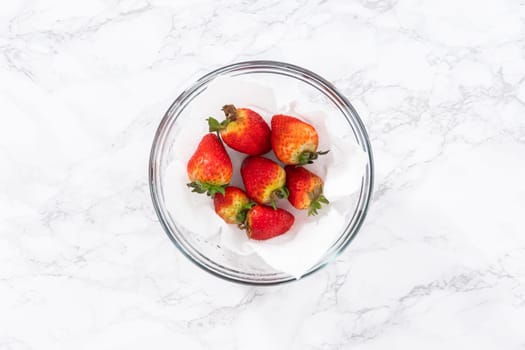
x=209 y=189
x=307 y=157
x=280 y=193
x=215 y=126
x=317 y=199
x=240 y=218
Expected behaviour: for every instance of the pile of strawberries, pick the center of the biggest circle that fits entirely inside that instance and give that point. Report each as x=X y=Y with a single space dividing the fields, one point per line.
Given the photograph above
x=294 y=143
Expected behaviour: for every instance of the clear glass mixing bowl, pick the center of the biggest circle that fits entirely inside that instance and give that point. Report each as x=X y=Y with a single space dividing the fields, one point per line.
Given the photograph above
x=208 y=254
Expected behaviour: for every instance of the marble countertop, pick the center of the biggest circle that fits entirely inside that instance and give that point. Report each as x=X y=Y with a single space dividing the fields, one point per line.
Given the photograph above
x=439 y=263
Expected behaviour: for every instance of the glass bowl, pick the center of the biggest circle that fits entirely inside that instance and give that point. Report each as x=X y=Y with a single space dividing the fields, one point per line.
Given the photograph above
x=207 y=253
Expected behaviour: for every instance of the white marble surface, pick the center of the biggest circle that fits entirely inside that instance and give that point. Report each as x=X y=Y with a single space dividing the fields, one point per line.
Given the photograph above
x=439 y=264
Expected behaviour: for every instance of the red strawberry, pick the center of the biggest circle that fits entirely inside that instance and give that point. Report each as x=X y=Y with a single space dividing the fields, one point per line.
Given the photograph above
x=264 y=180
x=306 y=189
x=232 y=205
x=263 y=222
x=243 y=130
x=210 y=167
x=294 y=141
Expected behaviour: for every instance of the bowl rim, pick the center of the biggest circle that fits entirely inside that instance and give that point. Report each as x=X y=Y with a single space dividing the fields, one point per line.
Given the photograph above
x=154 y=188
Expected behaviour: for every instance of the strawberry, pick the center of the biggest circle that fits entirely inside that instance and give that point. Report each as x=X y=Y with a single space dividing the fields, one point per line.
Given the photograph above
x=306 y=189
x=210 y=167
x=264 y=180
x=263 y=222
x=243 y=130
x=232 y=205
x=294 y=141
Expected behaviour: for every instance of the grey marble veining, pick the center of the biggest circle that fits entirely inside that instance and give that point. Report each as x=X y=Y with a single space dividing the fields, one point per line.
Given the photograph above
x=439 y=263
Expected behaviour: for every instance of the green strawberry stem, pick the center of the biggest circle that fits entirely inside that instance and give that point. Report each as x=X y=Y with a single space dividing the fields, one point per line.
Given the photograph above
x=280 y=193
x=231 y=115
x=315 y=203
x=307 y=157
x=209 y=189
x=230 y=112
